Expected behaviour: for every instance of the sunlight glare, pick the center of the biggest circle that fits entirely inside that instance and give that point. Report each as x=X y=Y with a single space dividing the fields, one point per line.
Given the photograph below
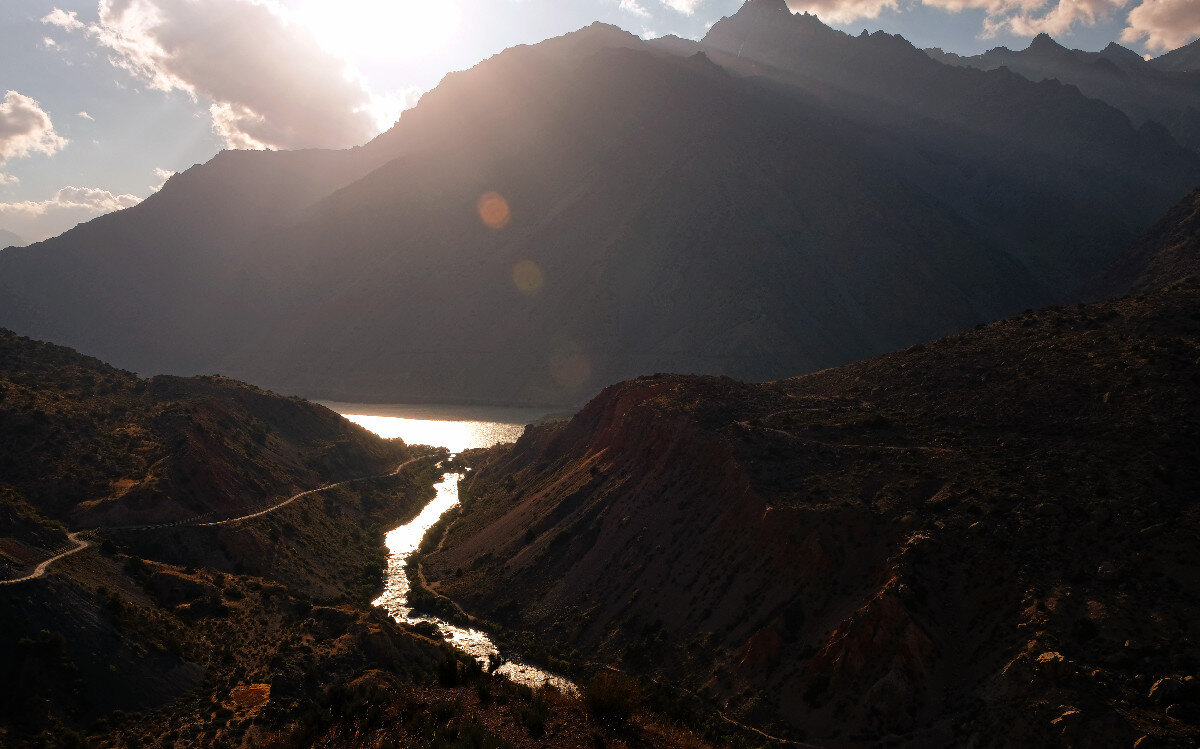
x=382 y=28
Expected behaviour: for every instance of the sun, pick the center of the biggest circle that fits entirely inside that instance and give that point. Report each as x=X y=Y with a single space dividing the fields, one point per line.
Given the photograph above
x=382 y=28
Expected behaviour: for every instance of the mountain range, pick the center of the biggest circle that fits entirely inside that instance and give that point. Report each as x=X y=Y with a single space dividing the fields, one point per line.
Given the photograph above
x=1164 y=90
x=777 y=198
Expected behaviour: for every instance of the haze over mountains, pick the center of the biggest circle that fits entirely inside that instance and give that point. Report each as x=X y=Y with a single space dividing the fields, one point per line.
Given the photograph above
x=1165 y=90
x=8 y=239
x=791 y=199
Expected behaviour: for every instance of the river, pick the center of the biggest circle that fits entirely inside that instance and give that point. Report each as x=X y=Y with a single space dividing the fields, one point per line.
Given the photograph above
x=457 y=429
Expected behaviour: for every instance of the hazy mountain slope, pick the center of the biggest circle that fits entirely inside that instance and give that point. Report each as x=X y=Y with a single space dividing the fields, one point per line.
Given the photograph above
x=678 y=217
x=957 y=543
x=681 y=218
x=1169 y=251
x=1186 y=59
x=8 y=239
x=142 y=286
x=1116 y=75
x=684 y=219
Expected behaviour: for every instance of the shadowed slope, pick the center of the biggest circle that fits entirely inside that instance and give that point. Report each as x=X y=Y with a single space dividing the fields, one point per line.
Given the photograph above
x=959 y=542
x=1168 y=252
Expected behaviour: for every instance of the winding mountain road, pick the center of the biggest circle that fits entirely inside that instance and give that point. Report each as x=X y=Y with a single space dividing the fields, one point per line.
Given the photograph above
x=40 y=570
x=286 y=502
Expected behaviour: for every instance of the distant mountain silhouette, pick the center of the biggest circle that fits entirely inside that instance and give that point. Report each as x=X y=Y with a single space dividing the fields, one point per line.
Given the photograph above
x=8 y=239
x=1146 y=91
x=1186 y=59
x=815 y=200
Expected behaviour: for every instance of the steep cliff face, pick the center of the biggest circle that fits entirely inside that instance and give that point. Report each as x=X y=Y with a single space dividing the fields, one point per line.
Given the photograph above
x=961 y=541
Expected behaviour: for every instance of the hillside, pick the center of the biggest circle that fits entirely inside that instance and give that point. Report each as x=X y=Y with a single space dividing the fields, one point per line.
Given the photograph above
x=97 y=446
x=8 y=239
x=1144 y=90
x=818 y=199
x=1186 y=59
x=1169 y=251
x=85 y=445
x=257 y=633
x=979 y=541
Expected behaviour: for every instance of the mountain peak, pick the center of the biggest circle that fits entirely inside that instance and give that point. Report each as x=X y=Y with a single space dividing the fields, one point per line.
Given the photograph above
x=1043 y=43
x=775 y=7
x=1115 y=51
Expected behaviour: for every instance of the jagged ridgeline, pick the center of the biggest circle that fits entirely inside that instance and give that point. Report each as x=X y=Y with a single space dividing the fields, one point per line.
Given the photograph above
x=985 y=540
x=1165 y=90
x=776 y=198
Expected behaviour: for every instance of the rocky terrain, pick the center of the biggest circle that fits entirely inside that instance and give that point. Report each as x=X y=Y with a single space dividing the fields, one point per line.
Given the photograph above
x=257 y=633
x=1169 y=251
x=979 y=541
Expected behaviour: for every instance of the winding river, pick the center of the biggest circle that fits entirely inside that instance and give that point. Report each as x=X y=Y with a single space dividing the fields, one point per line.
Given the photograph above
x=472 y=428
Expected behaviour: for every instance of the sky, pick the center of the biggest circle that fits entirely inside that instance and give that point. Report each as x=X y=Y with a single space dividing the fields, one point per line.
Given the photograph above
x=102 y=100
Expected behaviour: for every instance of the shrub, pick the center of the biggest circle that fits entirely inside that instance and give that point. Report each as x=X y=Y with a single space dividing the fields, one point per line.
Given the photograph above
x=533 y=716
x=611 y=697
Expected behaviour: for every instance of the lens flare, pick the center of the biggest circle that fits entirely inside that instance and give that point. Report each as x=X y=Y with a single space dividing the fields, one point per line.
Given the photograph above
x=493 y=210
x=527 y=277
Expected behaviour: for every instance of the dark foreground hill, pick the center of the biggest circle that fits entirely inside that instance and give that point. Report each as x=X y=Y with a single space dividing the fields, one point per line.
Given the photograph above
x=982 y=541
x=595 y=207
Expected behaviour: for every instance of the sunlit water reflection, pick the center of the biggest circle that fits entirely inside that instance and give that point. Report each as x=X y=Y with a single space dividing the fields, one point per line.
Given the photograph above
x=401 y=543
x=456 y=428
x=456 y=435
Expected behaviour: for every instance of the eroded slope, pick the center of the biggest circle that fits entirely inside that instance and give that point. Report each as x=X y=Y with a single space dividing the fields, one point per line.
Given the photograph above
x=962 y=541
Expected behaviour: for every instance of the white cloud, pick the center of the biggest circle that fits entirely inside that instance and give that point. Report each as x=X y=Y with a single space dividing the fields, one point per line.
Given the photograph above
x=8 y=179
x=49 y=43
x=686 y=7
x=37 y=220
x=842 y=11
x=63 y=18
x=387 y=107
x=1020 y=17
x=635 y=7
x=163 y=175
x=25 y=129
x=1054 y=18
x=1163 y=24
x=267 y=80
x=85 y=116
